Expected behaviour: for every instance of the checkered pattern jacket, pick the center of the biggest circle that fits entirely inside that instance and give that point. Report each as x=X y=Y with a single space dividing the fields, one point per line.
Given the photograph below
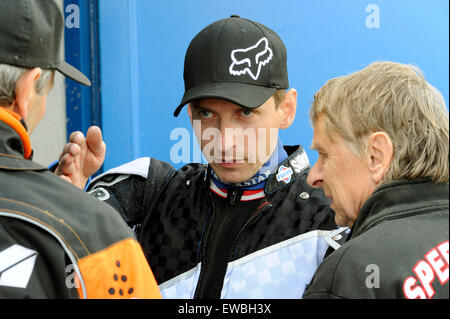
x=275 y=254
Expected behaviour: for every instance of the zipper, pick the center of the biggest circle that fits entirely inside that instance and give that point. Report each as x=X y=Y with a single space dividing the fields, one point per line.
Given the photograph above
x=233 y=197
x=203 y=253
x=263 y=207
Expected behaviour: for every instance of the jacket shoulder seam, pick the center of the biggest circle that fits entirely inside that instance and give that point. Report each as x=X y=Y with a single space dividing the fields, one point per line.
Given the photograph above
x=59 y=220
x=46 y=225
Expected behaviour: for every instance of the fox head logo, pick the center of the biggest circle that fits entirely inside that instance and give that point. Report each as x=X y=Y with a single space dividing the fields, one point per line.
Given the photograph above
x=251 y=60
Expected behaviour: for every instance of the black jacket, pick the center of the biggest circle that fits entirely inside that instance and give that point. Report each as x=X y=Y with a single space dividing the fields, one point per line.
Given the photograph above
x=58 y=242
x=398 y=247
x=272 y=254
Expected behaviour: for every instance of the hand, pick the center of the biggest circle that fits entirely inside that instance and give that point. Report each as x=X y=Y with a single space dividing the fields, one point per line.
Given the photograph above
x=81 y=157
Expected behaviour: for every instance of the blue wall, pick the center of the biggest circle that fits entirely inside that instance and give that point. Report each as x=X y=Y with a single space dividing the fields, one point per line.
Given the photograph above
x=143 y=42
x=81 y=50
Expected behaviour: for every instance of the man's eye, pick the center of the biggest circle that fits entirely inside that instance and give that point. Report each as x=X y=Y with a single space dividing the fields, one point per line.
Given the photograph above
x=205 y=114
x=247 y=113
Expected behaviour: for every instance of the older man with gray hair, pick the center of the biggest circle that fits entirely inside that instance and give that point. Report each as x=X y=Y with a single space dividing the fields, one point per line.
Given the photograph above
x=55 y=241
x=382 y=135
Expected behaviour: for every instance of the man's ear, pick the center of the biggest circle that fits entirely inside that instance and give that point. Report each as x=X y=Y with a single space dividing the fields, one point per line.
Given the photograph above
x=24 y=90
x=288 y=107
x=189 y=111
x=380 y=151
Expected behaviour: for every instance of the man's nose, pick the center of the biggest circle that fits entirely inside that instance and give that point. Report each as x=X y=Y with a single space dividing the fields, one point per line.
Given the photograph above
x=227 y=139
x=314 y=178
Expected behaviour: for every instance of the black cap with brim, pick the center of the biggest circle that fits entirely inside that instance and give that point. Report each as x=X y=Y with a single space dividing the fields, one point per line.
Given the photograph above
x=243 y=94
x=31 y=36
x=236 y=60
x=72 y=73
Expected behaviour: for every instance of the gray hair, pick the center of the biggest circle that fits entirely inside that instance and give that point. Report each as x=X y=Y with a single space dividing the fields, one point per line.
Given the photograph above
x=9 y=74
x=393 y=98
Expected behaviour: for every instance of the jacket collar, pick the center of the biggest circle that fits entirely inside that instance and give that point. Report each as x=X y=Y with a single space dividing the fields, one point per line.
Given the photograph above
x=289 y=170
x=15 y=143
x=394 y=199
x=15 y=122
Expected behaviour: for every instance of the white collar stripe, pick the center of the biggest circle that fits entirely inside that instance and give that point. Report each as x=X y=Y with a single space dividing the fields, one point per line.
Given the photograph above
x=217 y=190
x=258 y=195
x=246 y=196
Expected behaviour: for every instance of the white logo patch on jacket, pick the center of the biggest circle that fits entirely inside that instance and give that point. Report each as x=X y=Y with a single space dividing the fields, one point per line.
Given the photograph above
x=16 y=266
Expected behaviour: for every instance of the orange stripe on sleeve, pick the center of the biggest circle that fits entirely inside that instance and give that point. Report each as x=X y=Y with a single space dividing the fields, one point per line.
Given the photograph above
x=118 y=272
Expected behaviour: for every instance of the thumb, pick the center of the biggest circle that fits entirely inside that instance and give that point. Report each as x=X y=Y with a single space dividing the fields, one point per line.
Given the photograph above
x=94 y=140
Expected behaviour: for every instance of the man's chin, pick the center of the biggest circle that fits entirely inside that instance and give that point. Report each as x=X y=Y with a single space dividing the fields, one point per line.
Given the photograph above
x=342 y=222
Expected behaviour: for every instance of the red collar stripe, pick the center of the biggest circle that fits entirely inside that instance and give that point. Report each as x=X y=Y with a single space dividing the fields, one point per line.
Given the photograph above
x=246 y=196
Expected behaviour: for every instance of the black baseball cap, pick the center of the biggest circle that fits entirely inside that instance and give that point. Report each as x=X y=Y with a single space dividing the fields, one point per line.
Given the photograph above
x=237 y=60
x=30 y=36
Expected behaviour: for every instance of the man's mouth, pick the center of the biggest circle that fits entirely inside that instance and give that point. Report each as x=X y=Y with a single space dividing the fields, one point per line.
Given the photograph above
x=227 y=160
x=228 y=163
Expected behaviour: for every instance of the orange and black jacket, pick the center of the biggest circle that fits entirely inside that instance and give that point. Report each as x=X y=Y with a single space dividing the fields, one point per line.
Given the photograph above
x=55 y=240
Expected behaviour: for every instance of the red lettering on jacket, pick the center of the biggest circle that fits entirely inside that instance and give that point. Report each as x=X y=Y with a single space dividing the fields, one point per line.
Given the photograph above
x=434 y=264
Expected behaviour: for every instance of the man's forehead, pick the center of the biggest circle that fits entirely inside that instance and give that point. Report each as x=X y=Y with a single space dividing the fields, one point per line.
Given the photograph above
x=320 y=136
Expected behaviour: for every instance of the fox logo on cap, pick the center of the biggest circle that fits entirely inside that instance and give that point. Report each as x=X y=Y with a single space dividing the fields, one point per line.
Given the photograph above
x=251 y=60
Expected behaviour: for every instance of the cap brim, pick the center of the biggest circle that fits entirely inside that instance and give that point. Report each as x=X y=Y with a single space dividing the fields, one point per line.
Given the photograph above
x=243 y=94
x=72 y=73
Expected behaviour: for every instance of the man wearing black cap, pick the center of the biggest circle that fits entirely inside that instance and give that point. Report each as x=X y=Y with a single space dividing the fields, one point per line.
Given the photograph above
x=55 y=241
x=247 y=225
